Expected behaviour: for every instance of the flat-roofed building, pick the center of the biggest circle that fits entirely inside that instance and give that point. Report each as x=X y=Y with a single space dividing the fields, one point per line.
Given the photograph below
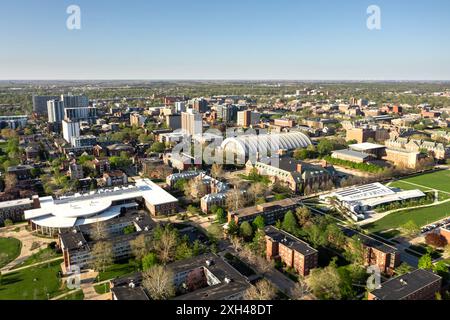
x=57 y=214
x=419 y=284
x=271 y=211
x=377 y=253
x=77 y=243
x=352 y=156
x=294 y=252
x=205 y=277
x=14 y=209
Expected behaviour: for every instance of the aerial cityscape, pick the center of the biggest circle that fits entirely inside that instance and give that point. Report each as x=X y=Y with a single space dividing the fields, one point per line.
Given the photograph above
x=118 y=186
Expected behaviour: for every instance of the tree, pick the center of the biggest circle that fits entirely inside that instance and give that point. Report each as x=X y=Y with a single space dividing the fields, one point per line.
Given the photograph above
x=402 y=269
x=335 y=236
x=258 y=190
x=164 y=242
x=441 y=268
x=221 y=216
x=425 y=262
x=158 y=281
x=8 y=222
x=259 y=223
x=246 y=230
x=233 y=228
x=140 y=246
x=196 y=279
x=102 y=255
x=410 y=228
x=303 y=215
x=435 y=240
x=217 y=171
x=149 y=261
x=129 y=229
x=158 y=147
x=356 y=251
x=299 y=291
x=325 y=283
x=235 y=200
x=10 y=181
x=99 y=230
x=262 y=290
x=325 y=147
x=290 y=223
x=183 y=251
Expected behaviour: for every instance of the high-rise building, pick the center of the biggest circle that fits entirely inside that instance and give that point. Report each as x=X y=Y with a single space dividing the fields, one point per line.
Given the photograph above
x=70 y=129
x=200 y=105
x=191 y=122
x=137 y=119
x=180 y=106
x=80 y=114
x=40 y=103
x=55 y=111
x=227 y=112
x=71 y=101
x=247 y=118
x=173 y=121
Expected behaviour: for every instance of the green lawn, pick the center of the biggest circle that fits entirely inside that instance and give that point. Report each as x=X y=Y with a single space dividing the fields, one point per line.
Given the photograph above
x=117 y=270
x=421 y=217
x=32 y=283
x=436 y=180
x=102 y=288
x=77 y=295
x=41 y=255
x=9 y=250
x=406 y=186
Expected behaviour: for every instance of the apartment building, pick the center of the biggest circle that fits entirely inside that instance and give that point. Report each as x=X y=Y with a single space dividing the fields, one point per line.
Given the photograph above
x=292 y=251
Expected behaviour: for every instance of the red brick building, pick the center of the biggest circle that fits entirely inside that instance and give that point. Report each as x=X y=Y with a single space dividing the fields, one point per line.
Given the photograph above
x=417 y=285
x=294 y=252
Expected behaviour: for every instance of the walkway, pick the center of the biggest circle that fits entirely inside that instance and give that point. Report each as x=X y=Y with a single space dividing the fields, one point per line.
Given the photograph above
x=31 y=265
x=27 y=240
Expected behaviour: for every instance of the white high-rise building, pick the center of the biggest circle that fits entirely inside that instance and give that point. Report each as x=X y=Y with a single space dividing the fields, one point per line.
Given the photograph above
x=191 y=122
x=70 y=129
x=55 y=110
x=180 y=106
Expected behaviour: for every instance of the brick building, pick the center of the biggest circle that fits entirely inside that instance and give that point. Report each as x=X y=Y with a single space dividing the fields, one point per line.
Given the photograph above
x=416 y=285
x=292 y=251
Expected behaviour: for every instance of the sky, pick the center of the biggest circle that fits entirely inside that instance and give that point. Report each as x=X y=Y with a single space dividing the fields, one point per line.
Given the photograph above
x=218 y=39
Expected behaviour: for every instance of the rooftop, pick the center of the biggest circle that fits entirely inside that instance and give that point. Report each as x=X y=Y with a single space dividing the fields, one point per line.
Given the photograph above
x=289 y=240
x=352 y=153
x=365 y=146
x=401 y=287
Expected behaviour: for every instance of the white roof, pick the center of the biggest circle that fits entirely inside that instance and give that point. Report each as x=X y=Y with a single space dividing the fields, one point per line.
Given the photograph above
x=94 y=206
x=365 y=146
x=363 y=192
x=398 y=196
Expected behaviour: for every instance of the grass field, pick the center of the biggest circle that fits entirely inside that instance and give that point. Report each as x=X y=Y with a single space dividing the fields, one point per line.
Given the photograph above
x=117 y=270
x=9 y=250
x=102 y=288
x=77 y=295
x=32 y=283
x=437 y=180
x=41 y=255
x=421 y=217
x=406 y=186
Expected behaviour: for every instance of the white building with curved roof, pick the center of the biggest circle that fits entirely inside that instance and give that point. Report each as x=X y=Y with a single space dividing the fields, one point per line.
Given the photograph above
x=256 y=146
x=97 y=206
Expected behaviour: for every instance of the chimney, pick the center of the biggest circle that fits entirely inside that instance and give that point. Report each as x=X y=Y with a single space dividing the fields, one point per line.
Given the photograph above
x=299 y=167
x=36 y=202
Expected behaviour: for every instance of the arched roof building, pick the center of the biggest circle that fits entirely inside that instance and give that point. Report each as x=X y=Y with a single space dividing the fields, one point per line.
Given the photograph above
x=264 y=144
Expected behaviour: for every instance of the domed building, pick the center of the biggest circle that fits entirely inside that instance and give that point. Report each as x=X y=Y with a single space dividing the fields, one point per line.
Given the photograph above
x=254 y=146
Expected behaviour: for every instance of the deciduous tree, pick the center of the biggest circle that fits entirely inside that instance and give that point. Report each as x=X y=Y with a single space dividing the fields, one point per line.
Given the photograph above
x=158 y=281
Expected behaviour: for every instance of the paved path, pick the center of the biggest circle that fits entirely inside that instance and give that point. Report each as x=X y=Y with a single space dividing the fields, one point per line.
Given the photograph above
x=379 y=216
x=27 y=240
x=31 y=265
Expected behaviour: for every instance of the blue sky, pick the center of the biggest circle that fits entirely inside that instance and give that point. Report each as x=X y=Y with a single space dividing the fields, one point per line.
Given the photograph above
x=232 y=39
